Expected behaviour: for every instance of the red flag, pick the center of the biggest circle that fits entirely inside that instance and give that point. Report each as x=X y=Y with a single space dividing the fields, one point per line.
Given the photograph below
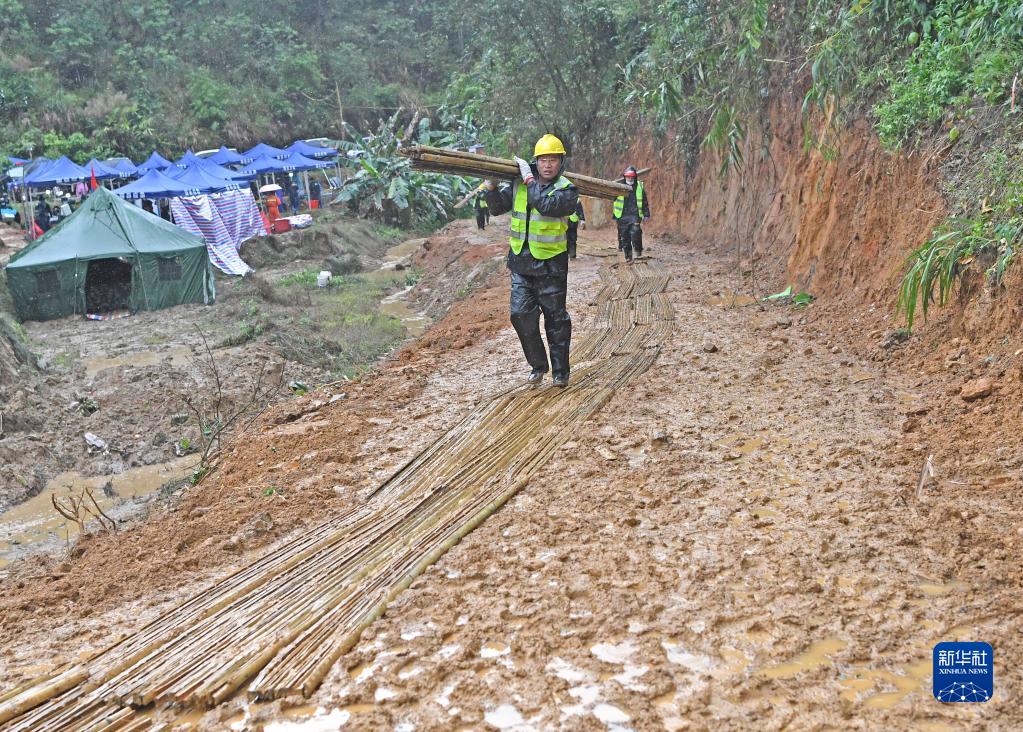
x=93 y=182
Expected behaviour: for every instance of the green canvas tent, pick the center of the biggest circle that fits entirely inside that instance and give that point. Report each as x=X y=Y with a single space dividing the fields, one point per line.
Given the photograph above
x=109 y=255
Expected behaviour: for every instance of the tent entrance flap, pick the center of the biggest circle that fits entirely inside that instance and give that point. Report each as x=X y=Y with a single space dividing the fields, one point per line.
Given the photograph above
x=108 y=285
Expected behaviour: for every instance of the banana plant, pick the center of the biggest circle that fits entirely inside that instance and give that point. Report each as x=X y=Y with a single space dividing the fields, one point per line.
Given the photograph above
x=384 y=183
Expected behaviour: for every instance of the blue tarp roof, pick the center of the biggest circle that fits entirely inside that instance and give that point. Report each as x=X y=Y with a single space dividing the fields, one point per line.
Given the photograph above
x=60 y=170
x=263 y=149
x=103 y=172
x=301 y=162
x=195 y=177
x=227 y=173
x=154 y=162
x=155 y=184
x=311 y=151
x=263 y=164
x=223 y=156
x=18 y=161
x=190 y=160
x=125 y=165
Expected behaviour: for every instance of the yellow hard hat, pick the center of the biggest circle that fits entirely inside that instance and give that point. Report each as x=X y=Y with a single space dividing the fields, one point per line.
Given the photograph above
x=548 y=145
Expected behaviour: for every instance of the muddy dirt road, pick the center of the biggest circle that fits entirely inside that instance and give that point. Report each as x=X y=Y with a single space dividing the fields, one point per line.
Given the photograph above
x=735 y=541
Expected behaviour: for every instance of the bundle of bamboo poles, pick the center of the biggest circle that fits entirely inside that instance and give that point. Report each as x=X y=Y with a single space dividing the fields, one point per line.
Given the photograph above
x=280 y=624
x=456 y=162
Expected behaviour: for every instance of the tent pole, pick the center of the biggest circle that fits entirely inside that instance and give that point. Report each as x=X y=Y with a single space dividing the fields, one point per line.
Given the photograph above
x=29 y=222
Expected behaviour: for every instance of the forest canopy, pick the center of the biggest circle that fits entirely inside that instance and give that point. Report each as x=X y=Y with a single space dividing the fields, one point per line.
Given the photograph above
x=98 y=77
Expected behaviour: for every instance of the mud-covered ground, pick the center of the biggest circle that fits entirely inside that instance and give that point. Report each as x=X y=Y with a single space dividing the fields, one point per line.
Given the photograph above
x=129 y=381
x=740 y=540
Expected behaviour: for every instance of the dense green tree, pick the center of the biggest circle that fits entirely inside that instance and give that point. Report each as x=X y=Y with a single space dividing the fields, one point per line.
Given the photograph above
x=171 y=74
x=131 y=75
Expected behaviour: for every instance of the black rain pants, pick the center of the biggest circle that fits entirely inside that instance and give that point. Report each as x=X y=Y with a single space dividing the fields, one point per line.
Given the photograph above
x=630 y=237
x=531 y=295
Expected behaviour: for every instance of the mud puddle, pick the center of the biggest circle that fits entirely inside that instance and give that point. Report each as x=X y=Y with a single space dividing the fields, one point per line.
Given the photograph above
x=870 y=686
x=400 y=254
x=179 y=356
x=818 y=654
x=35 y=526
x=730 y=300
x=396 y=305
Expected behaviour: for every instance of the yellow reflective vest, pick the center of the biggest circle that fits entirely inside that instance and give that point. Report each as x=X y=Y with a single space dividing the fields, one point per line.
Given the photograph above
x=620 y=202
x=547 y=235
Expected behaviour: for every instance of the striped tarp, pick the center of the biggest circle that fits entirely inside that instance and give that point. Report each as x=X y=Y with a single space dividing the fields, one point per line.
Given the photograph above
x=224 y=220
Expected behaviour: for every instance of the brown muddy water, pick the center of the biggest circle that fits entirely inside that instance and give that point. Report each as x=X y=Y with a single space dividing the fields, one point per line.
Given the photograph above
x=396 y=305
x=730 y=300
x=179 y=356
x=35 y=526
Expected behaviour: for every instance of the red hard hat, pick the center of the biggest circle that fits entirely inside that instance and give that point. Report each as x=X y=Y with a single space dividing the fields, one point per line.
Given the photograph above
x=630 y=172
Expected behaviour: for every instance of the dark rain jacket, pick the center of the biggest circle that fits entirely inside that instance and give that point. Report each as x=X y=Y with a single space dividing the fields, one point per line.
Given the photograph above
x=562 y=204
x=630 y=214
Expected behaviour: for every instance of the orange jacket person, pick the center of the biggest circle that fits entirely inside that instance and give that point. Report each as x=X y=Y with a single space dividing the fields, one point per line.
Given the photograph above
x=272 y=207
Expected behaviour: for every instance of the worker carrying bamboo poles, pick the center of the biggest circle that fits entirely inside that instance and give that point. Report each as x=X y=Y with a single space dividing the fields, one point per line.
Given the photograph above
x=540 y=206
x=629 y=211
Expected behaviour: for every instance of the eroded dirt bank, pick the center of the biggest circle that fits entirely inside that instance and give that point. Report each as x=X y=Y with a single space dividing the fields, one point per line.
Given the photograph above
x=736 y=542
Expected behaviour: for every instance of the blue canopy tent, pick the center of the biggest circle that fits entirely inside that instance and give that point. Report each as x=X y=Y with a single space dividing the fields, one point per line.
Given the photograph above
x=195 y=177
x=235 y=176
x=20 y=171
x=264 y=165
x=154 y=162
x=124 y=165
x=224 y=156
x=18 y=161
x=155 y=184
x=60 y=170
x=103 y=172
x=263 y=149
x=190 y=160
x=311 y=151
x=301 y=162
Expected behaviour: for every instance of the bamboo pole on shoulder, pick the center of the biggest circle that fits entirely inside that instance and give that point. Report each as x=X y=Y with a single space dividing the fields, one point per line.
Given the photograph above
x=458 y=162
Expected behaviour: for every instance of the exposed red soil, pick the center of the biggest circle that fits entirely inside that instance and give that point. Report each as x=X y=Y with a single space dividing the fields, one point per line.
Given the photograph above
x=740 y=541
x=302 y=460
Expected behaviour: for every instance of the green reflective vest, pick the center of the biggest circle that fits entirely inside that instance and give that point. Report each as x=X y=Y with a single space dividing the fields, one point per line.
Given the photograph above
x=620 y=202
x=547 y=235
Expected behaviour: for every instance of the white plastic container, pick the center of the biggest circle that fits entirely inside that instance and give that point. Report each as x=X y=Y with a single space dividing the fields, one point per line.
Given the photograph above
x=323 y=279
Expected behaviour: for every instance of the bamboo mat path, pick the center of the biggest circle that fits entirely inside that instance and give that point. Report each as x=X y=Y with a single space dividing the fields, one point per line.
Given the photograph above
x=276 y=627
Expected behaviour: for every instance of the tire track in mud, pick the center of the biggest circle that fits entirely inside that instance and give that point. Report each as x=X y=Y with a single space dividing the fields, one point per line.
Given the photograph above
x=279 y=624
